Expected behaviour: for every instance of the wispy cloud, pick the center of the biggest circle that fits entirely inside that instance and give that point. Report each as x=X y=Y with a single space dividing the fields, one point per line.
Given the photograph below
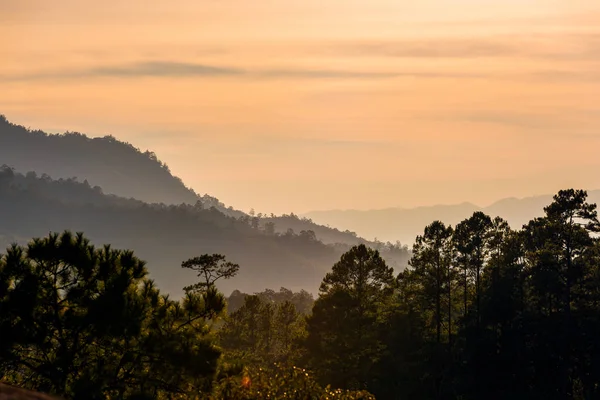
x=144 y=69
x=185 y=69
x=462 y=48
x=575 y=121
x=575 y=76
x=549 y=46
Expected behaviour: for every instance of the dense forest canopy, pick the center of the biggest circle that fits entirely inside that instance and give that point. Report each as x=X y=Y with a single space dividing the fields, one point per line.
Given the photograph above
x=483 y=312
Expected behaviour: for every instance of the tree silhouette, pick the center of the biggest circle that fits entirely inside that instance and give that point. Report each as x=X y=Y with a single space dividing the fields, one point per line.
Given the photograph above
x=343 y=329
x=85 y=322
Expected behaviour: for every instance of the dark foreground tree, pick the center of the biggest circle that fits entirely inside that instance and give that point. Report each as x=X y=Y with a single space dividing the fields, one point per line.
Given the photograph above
x=344 y=330
x=85 y=323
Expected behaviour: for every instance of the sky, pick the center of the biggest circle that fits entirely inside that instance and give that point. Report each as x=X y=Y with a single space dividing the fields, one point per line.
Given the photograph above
x=298 y=105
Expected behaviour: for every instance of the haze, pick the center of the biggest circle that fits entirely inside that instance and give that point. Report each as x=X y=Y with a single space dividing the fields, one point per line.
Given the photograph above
x=299 y=105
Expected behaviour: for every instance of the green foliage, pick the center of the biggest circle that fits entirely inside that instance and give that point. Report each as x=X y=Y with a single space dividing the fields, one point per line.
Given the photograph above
x=484 y=311
x=432 y=260
x=302 y=300
x=261 y=333
x=348 y=317
x=524 y=303
x=85 y=322
x=164 y=234
x=210 y=268
x=281 y=382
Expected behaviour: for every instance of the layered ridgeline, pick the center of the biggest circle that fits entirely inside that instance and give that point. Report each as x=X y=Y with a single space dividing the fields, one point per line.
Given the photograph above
x=32 y=206
x=405 y=223
x=164 y=235
x=121 y=169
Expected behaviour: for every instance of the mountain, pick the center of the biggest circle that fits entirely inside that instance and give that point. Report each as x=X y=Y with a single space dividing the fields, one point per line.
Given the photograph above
x=121 y=169
x=116 y=166
x=392 y=223
x=404 y=224
x=166 y=235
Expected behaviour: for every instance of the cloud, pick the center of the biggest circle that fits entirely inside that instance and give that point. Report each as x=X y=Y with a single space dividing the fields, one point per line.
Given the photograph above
x=462 y=48
x=548 y=120
x=143 y=69
x=185 y=69
x=516 y=119
x=312 y=142
x=577 y=76
x=321 y=74
x=548 y=46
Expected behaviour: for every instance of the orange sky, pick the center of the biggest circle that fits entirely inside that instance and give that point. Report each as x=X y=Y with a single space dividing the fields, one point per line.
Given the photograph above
x=294 y=105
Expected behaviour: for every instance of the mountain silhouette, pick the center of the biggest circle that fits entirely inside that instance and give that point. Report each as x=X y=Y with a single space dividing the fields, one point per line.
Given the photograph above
x=121 y=169
x=404 y=224
x=118 y=167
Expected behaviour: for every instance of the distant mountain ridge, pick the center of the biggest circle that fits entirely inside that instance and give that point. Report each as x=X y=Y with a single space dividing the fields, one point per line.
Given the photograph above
x=121 y=169
x=404 y=224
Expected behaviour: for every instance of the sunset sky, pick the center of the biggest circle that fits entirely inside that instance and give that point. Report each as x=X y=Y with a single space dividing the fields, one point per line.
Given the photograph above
x=296 y=105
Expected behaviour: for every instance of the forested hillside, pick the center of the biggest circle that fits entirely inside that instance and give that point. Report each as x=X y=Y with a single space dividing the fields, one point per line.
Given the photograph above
x=116 y=166
x=121 y=169
x=483 y=312
x=163 y=235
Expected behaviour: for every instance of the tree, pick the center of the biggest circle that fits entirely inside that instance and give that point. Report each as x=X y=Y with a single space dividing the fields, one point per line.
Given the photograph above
x=289 y=329
x=263 y=332
x=560 y=248
x=432 y=260
x=270 y=228
x=210 y=268
x=85 y=322
x=431 y=280
x=471 y=241
x=302 y=300
x=343 y=331
x=243 y=332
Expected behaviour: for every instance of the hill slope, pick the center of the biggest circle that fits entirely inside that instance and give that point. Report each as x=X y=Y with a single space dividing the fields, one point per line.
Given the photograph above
x=121 y=169
x=31 y=206
x=116 y=166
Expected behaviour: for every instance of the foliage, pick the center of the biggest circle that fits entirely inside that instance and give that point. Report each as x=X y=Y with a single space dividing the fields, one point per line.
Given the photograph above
x=302 y=300
x=281 y=382
x=116 y=167
x=210 y=268
x=484 y=311
x=344 y=329
x=85 y=322
x=261 y=333
x=524 y=306
x=31 y=206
